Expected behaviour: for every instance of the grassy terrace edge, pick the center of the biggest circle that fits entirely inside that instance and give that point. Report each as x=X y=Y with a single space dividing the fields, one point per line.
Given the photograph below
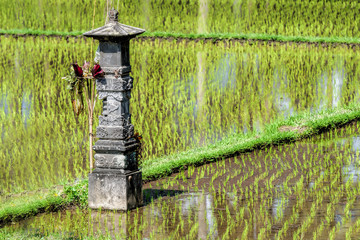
x=300 y=126
x=214 y=36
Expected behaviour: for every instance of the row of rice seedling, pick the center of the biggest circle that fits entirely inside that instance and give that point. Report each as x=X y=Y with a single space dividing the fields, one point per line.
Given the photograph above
x=186 y=94
x=42 y=143
x=305 y=190
x=301 y=17
x=217 y=90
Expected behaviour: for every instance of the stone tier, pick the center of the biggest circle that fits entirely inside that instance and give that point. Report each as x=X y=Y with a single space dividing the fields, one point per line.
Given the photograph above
x=125 y=161
x=116 y=120
x=116 y=71
x=120 y=83
x=115 y=190
x=115 y=132
x=115 y=146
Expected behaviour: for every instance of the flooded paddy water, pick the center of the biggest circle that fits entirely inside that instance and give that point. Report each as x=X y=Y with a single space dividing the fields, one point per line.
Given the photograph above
x=186 y=94
x=305 y=190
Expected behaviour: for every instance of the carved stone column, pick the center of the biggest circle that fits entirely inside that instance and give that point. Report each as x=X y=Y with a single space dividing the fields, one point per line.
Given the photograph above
x=116 y=182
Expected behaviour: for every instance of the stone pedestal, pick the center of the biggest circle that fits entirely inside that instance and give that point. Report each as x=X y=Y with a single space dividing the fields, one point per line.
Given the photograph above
x=115 y=190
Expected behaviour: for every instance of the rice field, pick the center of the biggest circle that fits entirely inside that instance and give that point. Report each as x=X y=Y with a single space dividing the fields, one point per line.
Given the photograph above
x=300 y=17
x=186 y=94
x=306 y=190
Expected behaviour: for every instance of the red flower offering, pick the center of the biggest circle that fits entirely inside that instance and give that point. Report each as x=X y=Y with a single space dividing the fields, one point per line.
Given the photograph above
x=77 y=69
x=97 y=72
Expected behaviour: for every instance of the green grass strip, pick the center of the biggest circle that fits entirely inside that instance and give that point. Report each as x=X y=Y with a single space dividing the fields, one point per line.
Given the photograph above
x=214 y=36
x=24 y=207
x=301 y=126
x=21 y=207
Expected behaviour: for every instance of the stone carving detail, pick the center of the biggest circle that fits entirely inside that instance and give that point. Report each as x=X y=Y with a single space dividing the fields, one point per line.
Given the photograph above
x=112 y=107
x=100 y=131
x=129 y=84
x=116 y=71
x=130 y=131
x=111 y=161
x=118 y=96
x=122 y=161
x=111 y=132
x=101 y=84
x=99 y=160
x=115 y=120
x=115 y=132
x=115 y=84
x=120 y=86
x=119 y=161
x=113 y=15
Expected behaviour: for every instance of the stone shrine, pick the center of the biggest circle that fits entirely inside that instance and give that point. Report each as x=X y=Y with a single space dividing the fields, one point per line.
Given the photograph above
x=116 y=182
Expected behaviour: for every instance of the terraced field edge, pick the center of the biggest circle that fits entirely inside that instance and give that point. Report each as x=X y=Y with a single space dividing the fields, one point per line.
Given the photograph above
x=194 y=36
x=280 y=131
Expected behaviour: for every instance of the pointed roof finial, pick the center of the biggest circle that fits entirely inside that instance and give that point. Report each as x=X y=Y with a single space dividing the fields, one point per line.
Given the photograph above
x=113 y=29
x=113 y=15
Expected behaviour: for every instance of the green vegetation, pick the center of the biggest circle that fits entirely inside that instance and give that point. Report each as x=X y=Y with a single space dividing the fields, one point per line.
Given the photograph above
x=307 y=189
x=290 y=18
x=77 y=193
x=217 y=90
x=278 y=132
x=244 y=128
x=20 y=206
x=26 y=235
x=191 y=95
x=43 y=143
x=26 y=206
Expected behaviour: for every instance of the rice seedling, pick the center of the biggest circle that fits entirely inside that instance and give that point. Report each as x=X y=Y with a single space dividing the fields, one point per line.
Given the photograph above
x=192 y=94
x=47 y=147
x=299 y=18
